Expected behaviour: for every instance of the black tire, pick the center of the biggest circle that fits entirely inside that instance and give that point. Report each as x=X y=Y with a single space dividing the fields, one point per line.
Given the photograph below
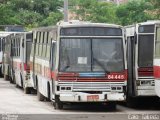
x=27 y=90
x=6 y=77
x=131 y=102
x=40 y=96
x=49 y=93
x=1 y=75
x=11 y=81
x=58 y=105
x=17 y=86
x=112 y=106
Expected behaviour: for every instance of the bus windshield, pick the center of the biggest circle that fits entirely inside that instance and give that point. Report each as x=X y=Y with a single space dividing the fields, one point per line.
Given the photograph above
x=91 y=55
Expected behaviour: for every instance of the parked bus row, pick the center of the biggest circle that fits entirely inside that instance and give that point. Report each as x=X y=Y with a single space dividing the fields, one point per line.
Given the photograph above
x=79 y=62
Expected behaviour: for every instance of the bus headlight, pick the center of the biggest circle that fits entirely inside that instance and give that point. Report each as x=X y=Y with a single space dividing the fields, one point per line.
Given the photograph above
x=65 y=88
x=116 y=88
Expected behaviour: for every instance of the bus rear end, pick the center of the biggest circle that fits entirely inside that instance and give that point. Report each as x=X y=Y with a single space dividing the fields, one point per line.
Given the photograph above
x=145 y=47
x=140 y=52
x=157 y=59
x=91 y=64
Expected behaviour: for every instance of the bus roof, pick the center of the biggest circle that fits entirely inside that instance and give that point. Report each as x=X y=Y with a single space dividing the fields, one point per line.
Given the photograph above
x=150 y=22
x=77 y=23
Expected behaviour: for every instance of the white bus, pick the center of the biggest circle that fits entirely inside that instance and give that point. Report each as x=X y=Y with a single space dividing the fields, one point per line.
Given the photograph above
x=157 y=58
x=21 y=47
x=2 y=41
x=140 y=48
x=6 y=64
x=79 y=62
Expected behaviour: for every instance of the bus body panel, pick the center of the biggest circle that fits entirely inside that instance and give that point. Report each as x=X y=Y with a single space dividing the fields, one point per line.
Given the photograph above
x=142 y=72
x=157 y=59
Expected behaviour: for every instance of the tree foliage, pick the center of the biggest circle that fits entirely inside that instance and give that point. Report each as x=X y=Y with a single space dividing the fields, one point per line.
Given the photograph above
x=92 y=10
x=35 y=13
x=132 y=12
x=30 y=13
x=155 y=11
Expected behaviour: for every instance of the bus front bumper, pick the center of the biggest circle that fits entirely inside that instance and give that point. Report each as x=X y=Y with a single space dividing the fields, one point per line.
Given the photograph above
x=86 y=97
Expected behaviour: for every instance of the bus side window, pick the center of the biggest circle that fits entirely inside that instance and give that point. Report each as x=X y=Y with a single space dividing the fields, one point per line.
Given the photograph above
x=53 y=55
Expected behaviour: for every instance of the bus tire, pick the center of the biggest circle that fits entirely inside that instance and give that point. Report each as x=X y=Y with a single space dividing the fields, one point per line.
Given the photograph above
x=40 y=96
x=1 y=75
x=131 y=102
x=11 y=80
x=49 y=92
x=5 y=77
x=27 y=90
x=112 y=105
x=58 y=105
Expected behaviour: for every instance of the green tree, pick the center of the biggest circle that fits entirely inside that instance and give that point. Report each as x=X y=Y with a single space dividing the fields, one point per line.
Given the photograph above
x=103 y=12
x=6 y=15
x=28 y=18
x=155 y=11
x=52 y=19
x=133 y=12
x=92 y=10
x=30 y=13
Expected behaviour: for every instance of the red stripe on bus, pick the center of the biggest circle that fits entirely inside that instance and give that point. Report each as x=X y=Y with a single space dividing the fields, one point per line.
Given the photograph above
x=112 y=77
x=92 y=80
x=157 y=71
x=145 y=71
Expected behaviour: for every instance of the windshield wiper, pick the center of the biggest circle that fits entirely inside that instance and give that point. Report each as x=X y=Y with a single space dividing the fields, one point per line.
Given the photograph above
x=101 y=65
x=65 y=68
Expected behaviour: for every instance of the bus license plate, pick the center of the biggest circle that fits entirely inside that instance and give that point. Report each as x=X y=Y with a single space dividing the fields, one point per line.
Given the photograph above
x=92 y=98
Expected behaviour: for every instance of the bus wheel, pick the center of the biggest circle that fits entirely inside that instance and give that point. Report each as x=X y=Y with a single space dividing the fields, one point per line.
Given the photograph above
x=58 y=104
x=13 y=78
x=40 y=96
x=131 y=102
x=112 y=105
x=6 y=77
x=11 y=81
x=27 y=90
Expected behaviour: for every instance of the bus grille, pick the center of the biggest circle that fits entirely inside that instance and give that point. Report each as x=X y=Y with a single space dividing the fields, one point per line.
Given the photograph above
x=91 y=86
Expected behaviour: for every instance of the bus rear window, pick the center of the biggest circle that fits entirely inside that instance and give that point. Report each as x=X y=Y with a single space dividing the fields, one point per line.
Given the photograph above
x=146 y=29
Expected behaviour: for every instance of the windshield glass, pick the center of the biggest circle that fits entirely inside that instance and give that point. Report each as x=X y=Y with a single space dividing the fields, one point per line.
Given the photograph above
x=107 y=55
x=90 y=55
x=75 y=55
